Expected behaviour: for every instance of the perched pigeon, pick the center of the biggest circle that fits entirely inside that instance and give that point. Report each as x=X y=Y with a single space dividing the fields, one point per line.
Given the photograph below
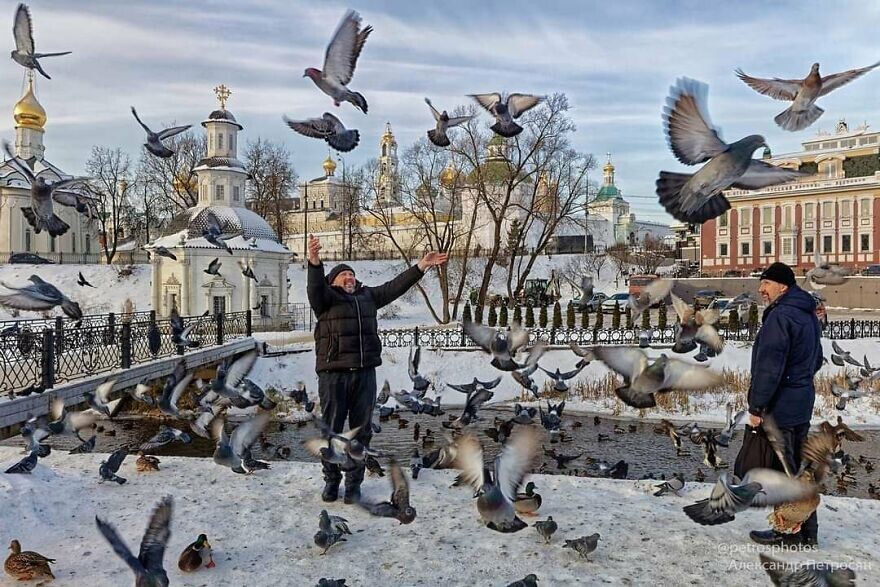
x=825 y=273
x=340 y=61
x=213 y=231
x=497 y=489
x=166 y=435
x=327 y=128
x=672 y=485
x=695 y=326
x=249 y=273
x=697 y=198
x=39 y=297
x=108 y=468
x=444 y=122
x=642 y=381
x=232 y=451
x=82 y=281
x=25 y=465
x=86 y=447
x=583 y=545
x=546 y=528
x=24 y=53
x=164 y=252
x=397 y=506
x=506 y=110
x=331 y=530
x=154 y=139
x=653 y=293
x=802 y=92
x=41 y=214
x=807 y=575
x=530 y=580
x=147 y=565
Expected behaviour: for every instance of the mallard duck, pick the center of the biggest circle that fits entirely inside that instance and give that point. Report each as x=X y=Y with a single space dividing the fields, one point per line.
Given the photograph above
x=27 y=565
x=528 y=502
x=146 y=463
x=195 y=555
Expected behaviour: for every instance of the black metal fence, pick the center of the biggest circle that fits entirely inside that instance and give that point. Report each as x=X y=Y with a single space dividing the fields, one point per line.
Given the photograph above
x=120 y=258
x=40 y=354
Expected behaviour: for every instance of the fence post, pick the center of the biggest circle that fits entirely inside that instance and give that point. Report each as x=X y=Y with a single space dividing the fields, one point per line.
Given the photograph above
x=59 y=335
x=48 y=357
x=249 y=327
x=416 y=335
x=111 y=329
x=852 y=328
x=220 y=317
x=126 y=345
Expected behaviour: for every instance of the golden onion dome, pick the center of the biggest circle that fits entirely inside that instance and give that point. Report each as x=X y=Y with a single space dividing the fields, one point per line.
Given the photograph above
x=447 y=177
x=609 y=166
x=329 y=165
x=28 y=111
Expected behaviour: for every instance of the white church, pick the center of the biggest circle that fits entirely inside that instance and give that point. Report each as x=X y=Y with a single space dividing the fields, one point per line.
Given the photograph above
x=183 y=283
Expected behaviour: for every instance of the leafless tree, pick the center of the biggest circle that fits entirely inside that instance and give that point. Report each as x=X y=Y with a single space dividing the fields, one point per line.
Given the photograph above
x=620 y=257
x=273 y=179
x=109 y=186
x=173 y=177
x=647 y=257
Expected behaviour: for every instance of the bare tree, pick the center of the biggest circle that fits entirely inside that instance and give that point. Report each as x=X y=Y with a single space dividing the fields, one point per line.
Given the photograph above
x=109 y=185
x=272 y=182
x=173 y=177
x=620 y=257
x=648 y=257
x=594 y=262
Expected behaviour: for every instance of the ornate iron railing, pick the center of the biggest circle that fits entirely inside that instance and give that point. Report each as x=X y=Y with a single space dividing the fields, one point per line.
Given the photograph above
x=42 y=357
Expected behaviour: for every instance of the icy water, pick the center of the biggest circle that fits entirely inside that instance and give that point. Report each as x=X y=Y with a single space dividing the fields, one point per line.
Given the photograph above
x=646 y=452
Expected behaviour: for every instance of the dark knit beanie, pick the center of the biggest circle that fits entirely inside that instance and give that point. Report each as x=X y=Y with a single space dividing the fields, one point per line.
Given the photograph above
x=780 y=273
x=343 y=267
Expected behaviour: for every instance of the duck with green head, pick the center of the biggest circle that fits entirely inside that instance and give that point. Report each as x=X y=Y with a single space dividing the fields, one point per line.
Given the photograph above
x=196 y=555
x=528 y=502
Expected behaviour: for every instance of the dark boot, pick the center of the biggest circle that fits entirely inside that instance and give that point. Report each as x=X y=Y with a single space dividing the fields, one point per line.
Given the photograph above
x=352 y=494
x=331 y=491
x=774 y=538
x=353 y=480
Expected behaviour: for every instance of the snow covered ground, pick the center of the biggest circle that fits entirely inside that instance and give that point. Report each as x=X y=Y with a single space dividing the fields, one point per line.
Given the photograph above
x=451 y=366
x=261 y=528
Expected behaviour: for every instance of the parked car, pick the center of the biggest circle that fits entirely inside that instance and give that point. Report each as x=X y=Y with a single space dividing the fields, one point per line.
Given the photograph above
x=733 y=273
x=757 y=272
x=721 y=304
x=704 y=297
x=594 y=303
x=619 y=298
x=871 y=270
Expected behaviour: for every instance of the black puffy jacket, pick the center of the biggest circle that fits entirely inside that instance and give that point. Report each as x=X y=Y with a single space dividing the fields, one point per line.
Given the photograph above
x=346 y=334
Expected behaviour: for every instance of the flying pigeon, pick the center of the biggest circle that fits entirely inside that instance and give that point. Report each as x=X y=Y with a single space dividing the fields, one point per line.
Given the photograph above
x=802 y=92
x=231 y=451
x=583 y=545
x=397 y=506
x=726 y=435
x=99 y=399
x=695 y=326
x=506 y=110
x=653 y=293
x=503 y=346
x=38 y=297
x=584 y=291
x=420 y=384
x=164 y=252
x=473 y=385
x=24 y=53
x=472 y=404
x=154 y=139
x=214 y=267
x=327 y=128
x=175 y=384
x=212 y=232
x=340 y=61
x=147 y=565
x=249 y=273
x=444 y=122
x=825 y=273
x=642 y=381
x=41 y=214
x=559 y=379
x=785 y=574
x=179 y=332
x=86 y=447
x=140 y=392
x=65 y=423
x=561 y=460
x=166 y=435
x=108 y=468
x=696 y=198
x=82 y=281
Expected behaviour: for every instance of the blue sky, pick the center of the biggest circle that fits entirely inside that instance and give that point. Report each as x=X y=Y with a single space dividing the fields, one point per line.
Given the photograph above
x=615 y=60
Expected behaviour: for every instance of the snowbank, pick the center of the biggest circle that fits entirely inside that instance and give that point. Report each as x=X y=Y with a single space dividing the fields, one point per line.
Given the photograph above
x=261 y=529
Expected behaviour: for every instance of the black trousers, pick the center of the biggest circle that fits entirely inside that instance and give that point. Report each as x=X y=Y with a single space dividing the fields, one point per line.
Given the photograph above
x=794 y=438
x=347 y=395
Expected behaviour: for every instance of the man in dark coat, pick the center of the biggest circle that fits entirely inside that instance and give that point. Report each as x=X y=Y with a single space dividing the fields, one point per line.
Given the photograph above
x=785 y=358
x=348 y=350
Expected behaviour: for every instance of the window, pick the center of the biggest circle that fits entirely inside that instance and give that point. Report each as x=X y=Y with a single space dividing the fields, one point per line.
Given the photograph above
x=88 y=248
x=827 y=210
x=768 y=247
x=808 y=211
x=827 y=243
x=73 y=242
x=766 y=215
x=173 y=300
x=787 y=217
x=51 y=244
x=865 y=208
x=846 y=208
x=722 y=250
x=722 y=220
x=236 y=192
x=231 y=142
x=322 y=203
x=384 y=150
x=220 y=140
x=865 y=242
x=264 y=306
x=27 y=240
x=846 y=243
x=809 y=244
x=744 y=249
x=211 y=141
x=745 y=217
x=219 y=304
x=219 y=192
x=786 y=246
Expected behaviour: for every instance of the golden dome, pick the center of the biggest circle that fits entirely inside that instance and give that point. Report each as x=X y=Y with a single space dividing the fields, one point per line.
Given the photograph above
x=28 y=113
x=329 y=165
x=448 y=176
x=388 y=136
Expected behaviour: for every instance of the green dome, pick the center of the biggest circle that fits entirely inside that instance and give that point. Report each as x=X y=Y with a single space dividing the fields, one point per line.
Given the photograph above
x=608 y=192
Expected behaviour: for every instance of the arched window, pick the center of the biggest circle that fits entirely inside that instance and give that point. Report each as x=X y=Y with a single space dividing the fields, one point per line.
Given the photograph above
x=220 y=140
x=88 y=244
x=28 y=243
x=384 y=150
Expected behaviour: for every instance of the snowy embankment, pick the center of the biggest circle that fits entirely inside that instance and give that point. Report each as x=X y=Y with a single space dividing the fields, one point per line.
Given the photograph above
x=455 y=366
x=261 y=529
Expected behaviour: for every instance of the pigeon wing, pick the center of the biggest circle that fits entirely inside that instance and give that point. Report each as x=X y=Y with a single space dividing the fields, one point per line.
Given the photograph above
x=487 y=101
x=835 y=80
x=482 y=335
x=776 y=88
x=174 y=130
x=682 y=308
x=23 y=31
x=516 y=460
x=760 y=175
x=317 y=128
x=490 y=384
x=400 y=486
x=345 y=47
x=119 y=547
x=18 y=165
x=240 y=368
x=517 y=339
x=25 y=299
x=156 y=537
x=140 y=122
x=246 y=433
x=115 y=460
x=681 y=375
x=689 y=131
x=433 y=110
x=470 y=460
x=628 y=362
x=413 y=368
x=519 y=103
x=777 y=487
x=458 y=120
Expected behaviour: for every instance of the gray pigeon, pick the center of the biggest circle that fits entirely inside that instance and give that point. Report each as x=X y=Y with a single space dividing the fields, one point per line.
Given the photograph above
x=86 y=447
x=214 y=267
x=25 y=465
x=165 y=435
x=331 y=529
x=802 y=92
x=141 y=393
x=444 y=122
x=695 y=326
x=583 y=545
x=473 y=385
x=322 y=582
x=653 y=293
x=397 y=506
x=506 y=110
x=179 y=332
x=807 y=575
x=726 y=435
x=530 y=580
x=164 y=252
x=154 y=139
x=99 y=399
x=559 y=378
x=24 y=53
x=340 y=61
x=147 y=565
x=41 y=214
x=420 y=384
x=108 y=468
x=696 y=198
x=546 y=528
x=213 y=231
x=249 y=273
x=39 y=297
x=825 y=273
x=584 y=291
x=232 y=452
x=672 y=485
x=175 y=384
x=327 y=128
x=503 y=346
